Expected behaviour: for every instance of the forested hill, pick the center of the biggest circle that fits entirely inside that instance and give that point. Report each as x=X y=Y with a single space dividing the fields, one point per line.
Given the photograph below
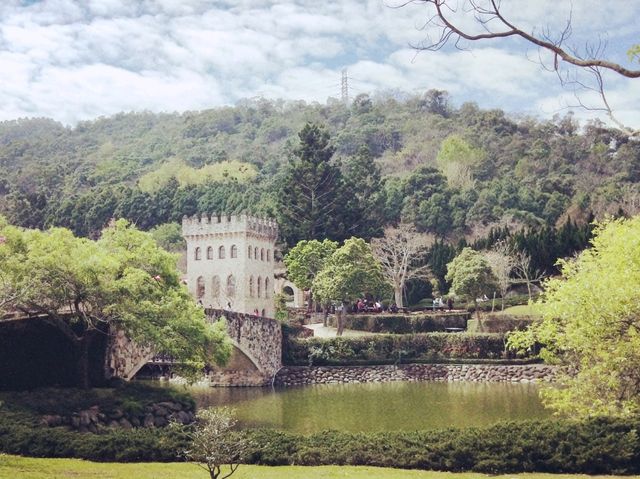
x=452 y=171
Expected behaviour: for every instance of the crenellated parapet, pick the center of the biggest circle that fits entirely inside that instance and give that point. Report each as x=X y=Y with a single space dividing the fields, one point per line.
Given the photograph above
x=217 y=223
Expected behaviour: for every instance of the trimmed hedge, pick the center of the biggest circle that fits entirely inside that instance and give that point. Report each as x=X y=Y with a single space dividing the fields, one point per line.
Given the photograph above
x=119 y=445
x=500 y=324
x=403 y=323
x=388 y=348
x=595 y=446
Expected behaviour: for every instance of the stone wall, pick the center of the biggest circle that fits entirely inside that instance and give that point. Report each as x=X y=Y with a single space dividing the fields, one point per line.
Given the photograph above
x=301 y=375
x=95 y=420
x=259 y=341
x=124 y=357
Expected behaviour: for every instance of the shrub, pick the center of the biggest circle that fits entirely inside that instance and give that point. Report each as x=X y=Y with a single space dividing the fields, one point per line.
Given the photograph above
x=404 y=324
x=499 y=324
x=388 y=348
x=593 y=446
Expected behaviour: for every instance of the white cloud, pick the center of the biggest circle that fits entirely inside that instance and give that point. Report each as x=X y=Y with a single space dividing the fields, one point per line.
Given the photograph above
x=78 y=59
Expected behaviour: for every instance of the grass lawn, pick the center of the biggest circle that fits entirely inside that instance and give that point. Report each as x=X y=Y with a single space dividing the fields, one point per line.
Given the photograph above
x=35 y=468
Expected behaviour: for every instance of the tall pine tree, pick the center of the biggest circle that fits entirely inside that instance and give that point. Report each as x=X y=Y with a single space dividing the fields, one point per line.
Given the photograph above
x=310 y=205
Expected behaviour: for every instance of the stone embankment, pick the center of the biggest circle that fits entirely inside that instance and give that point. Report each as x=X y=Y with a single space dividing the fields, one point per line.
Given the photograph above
x=301 y=375
x=94 y=420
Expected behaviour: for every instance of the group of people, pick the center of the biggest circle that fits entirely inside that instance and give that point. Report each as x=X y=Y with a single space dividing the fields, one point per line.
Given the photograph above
x=364 y=306
x=438 y=303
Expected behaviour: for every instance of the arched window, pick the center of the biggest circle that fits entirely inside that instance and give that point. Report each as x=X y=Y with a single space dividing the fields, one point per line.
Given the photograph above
x=210 y=252
x=288 y=291
x=251 y=286
x=262 y=254
x=200 y=287
x=234 y=251
x=197 y=254
x=268 y=255
x=221 y=253
x=215 y=287
x=231 y=286
x=267 y=294
x=249 y=252
x=259 y=286
x=255 y=253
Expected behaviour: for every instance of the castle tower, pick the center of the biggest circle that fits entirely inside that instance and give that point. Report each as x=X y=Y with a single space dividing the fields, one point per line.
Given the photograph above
x=230 y=262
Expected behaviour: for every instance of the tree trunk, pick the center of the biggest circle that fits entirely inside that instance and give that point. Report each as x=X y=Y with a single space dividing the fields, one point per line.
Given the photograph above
x=310 y=305
x=81 y=356
x=340 y=316
x=475 y=302
x=325 y=314
x=397 y=294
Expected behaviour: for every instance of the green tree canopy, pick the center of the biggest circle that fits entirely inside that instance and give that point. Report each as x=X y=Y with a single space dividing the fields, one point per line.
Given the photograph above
x=309 y=199
x=350 y=273
x=457 y=158
x=306 y=259
x=122 y=281
x=471 y=275
x=591 y=323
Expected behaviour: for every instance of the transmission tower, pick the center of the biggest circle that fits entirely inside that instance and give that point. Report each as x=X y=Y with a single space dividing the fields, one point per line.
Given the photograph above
x=345 y=87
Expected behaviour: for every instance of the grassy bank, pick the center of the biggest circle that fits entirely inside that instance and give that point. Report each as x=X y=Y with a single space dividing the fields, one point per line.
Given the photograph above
x=30 y=468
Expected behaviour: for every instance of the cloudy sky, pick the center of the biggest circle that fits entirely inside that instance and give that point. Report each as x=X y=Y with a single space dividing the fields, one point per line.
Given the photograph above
x=79 y=59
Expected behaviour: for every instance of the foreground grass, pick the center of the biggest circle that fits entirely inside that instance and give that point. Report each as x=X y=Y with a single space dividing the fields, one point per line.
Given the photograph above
x=37 y=468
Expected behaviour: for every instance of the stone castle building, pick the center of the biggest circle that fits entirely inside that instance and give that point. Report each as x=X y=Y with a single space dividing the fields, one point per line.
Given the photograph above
x=230 y=262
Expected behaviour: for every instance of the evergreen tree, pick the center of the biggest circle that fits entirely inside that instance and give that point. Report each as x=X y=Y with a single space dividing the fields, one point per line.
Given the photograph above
x=365 y=195
x=310 y=205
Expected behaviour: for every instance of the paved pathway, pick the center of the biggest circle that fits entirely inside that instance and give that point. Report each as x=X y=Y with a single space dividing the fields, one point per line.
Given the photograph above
x=320 y=331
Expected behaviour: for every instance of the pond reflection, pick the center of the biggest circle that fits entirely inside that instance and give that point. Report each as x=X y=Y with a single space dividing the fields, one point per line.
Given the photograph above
x=377 y=406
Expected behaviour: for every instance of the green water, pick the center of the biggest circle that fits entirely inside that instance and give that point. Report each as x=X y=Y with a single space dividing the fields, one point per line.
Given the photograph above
x=377 y=406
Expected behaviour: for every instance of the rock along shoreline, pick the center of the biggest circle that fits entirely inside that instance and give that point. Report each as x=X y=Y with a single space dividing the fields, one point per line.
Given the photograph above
x=305 y=375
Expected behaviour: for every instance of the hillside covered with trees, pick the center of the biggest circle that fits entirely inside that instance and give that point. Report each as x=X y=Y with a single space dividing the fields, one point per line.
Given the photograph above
x=461 y=174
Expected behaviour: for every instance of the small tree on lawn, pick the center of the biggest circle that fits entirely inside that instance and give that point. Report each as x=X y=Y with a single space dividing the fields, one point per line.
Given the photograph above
x=471 y=276
x=398 y=251
x=523 y=272
x=215 y=444
x=305 y=260
x=350 y=273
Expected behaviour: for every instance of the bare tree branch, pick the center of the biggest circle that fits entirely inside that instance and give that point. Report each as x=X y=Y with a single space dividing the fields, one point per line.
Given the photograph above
x=397 y=252
x=445 y=18
x=490 y=15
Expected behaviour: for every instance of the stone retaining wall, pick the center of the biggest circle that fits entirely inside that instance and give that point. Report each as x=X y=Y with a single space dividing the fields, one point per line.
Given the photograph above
x=301 y=375
x=94 y=420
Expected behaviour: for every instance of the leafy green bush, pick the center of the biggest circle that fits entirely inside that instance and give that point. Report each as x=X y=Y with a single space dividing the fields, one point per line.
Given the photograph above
x=499 y=324
x=114 y=445
x=404 y=324
x=388 y=348
x=595 y=446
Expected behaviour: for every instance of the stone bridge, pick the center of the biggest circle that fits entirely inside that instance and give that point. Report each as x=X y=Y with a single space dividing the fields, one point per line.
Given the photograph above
x=256 y=358
x=258 y=350
x=35 y=353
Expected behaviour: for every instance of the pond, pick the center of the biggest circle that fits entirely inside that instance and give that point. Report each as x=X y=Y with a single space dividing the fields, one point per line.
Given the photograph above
x=377 y=406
